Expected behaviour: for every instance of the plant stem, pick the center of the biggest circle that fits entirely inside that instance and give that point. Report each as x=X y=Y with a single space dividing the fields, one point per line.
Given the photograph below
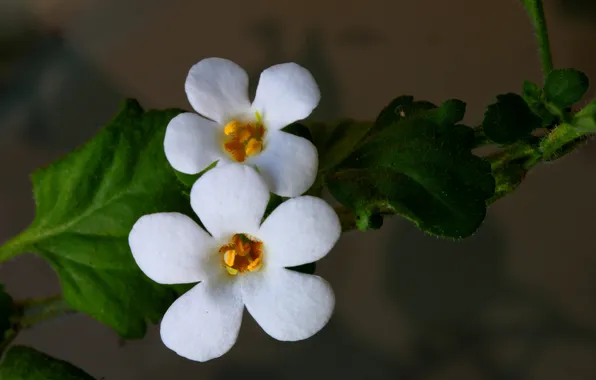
x=543 y=42
x=536 y=11
x=8 y=339
x=31 y=312
x=12 y=248
x=42 y=309
x=563 y=135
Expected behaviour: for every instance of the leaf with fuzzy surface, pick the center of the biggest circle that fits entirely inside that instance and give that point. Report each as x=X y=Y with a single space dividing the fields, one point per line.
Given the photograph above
x=565 y=87
x=509 y=119
x=87 y=203
x=420 y=167
x=24 y=363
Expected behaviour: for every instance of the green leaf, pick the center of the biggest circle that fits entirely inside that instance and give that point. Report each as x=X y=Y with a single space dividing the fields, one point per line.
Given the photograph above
x=274 y=201
x=565 y=87
x=449 y=113
x=24 y=363
x=509 y=119
x=510 y=166
x=421 y=170
x=188 y=180
x=369 y=220
x=401 y=108
x=405 y=108
x=87 y=203
x=180 y=289
x=342 y=142
x=532 y=93
x=309 y=268
x=534 y=97
x=299 y=130
x=507 y=179
x=585 y=119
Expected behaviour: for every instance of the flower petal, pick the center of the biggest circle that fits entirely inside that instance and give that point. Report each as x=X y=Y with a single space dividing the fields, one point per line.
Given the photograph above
x=230 y=199
x=286 y=92
x=299 y=231
x=289 y=164
x=288 y=305
x=203 y=324
x=170 y=248
x=191 y=143
x=217 y=88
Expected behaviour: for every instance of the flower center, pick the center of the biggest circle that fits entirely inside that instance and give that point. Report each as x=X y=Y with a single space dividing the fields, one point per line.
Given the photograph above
x=242 y=254
x=244 y=139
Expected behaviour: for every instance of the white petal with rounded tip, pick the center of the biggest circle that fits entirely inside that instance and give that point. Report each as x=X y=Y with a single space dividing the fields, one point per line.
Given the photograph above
x=299 y=231
x=217 y=88
x=203 y=324
x=170 y=248
x=230 y=199
x=288 y=305
x=288 y=163
x=191 y=143
x=286 y=92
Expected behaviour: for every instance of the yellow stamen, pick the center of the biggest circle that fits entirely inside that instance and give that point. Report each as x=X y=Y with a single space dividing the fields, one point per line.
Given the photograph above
x=254 y=146
x=242 y=254
x=231 y=128
x=244 y=139
x=242 y=248
x=244 y=135
x=255 y=264
x=229 y=257
x=236 y=149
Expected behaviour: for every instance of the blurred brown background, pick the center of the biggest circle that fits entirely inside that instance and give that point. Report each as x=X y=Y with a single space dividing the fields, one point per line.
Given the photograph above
x=516 y=301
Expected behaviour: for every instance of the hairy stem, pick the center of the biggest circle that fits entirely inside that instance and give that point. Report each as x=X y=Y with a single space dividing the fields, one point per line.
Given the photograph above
x=536 y=11
x=31 y=312
x=42 y=309
x=12 y=248
x=9 y=337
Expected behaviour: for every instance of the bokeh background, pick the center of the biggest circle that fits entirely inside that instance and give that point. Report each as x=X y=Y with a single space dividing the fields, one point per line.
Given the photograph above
x=515 y=301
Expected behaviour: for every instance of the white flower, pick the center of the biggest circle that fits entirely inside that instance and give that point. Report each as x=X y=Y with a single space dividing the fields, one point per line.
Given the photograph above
x=242 y=263
x=239 y=131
